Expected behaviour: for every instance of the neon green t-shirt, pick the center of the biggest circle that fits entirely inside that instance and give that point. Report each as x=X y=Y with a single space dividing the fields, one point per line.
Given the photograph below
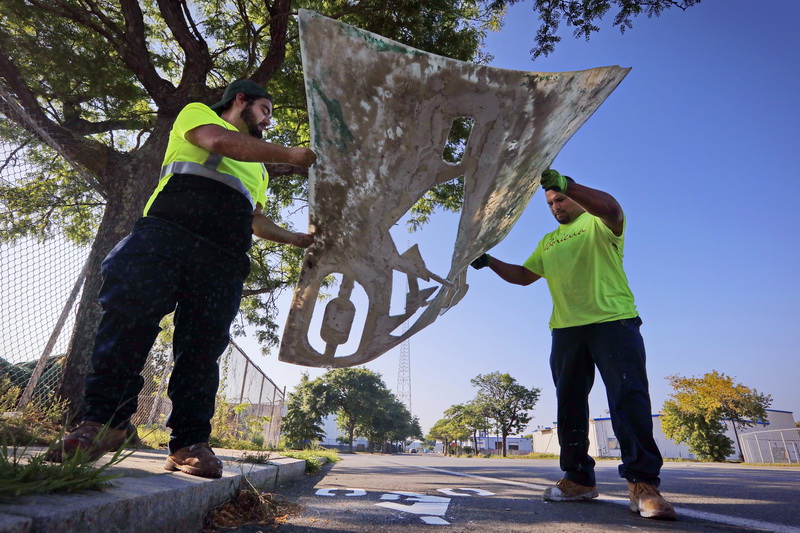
x=582 y=263
x=253 y=176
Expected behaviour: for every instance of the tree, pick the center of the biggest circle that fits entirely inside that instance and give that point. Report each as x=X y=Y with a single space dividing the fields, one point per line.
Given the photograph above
x=352 y=394
x=449 y=432
x=471 y=416
x=305 y=409
x=696 y=412
x=105 y=80
x=390 y=422
x=505 y=402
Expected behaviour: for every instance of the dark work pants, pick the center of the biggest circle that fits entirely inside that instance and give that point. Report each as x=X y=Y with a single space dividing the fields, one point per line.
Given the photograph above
x=617 y=349
x=156 y=269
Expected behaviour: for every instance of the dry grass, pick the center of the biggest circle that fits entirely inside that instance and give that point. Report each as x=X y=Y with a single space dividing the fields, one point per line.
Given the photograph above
x=250 y=507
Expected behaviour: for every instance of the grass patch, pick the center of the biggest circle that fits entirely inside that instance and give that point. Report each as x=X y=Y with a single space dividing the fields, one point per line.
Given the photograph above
x=314 y=457
x=24 y=474
x=153 y=437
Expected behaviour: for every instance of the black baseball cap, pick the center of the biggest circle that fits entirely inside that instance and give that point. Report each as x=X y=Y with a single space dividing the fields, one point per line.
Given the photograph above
x=248 y=87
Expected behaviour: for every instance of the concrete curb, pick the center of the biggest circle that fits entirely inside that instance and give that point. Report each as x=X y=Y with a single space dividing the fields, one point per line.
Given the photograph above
x=146 y=497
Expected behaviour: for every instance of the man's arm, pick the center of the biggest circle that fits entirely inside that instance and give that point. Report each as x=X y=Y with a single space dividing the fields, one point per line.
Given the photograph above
x=516 y=274
x=264 y=227
x=598 y=203
x=595 y=202
x=241 y=147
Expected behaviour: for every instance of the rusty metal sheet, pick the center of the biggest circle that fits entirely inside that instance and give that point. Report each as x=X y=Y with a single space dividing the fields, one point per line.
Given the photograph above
x=380 y=114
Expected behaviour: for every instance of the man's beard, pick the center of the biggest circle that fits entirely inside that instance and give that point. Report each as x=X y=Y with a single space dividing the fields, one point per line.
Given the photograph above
x=250 y=121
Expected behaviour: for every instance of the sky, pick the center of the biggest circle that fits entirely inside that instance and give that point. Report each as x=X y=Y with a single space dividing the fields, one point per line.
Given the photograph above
x=696 y=145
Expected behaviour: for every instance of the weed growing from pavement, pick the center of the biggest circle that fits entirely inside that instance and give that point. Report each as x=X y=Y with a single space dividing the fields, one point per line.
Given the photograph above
x=23 y=472
x=314 y=457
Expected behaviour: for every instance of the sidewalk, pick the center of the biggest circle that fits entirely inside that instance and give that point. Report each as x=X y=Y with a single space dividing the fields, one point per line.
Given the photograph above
x=145 y=498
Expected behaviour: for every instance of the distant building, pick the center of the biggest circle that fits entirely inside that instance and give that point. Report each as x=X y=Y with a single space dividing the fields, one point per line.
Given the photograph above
x=514 y=445
x=332 y=434
x=777 y=440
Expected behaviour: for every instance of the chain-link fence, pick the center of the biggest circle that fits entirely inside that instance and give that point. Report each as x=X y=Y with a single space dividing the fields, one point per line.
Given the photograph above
x=249 y=404
x=40 y=284
x=771 y=446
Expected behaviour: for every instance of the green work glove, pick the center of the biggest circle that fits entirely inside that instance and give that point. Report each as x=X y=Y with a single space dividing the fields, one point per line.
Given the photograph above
x=481 y=262
x=552 y=180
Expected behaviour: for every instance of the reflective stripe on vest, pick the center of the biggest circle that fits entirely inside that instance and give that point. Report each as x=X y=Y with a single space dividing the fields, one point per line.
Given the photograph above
x=208 y=170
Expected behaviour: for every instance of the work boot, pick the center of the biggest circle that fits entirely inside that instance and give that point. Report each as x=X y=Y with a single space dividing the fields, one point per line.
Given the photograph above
x=648 y=502
x=93 y=438
x=197 y=460
x=569 y=491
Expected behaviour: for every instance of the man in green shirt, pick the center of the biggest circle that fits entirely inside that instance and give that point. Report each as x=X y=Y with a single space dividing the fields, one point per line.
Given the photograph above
x=187 y=254
x=594 y=323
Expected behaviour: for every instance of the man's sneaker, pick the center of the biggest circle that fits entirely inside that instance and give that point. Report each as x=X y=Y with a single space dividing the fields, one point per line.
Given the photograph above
x=569 y=491
x=648 y=502
x=197 y=460
x=93 y=438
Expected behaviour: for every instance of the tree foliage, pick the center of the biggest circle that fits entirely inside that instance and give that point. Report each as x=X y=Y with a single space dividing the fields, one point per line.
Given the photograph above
x=471 y=416
x=696 y=412
x=584 y=15
x=450 y=432
x=506 y=403
x=363 y=405
x=305 y=409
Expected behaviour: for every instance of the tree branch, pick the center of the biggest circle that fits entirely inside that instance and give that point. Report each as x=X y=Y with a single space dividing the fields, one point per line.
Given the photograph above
x=279 y=12
x=197 y=57
x=137 y=57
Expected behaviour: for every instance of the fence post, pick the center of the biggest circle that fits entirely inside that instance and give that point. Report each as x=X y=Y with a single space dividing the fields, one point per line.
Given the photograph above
x=758 y=444
x=244 y=380
x=786 y=448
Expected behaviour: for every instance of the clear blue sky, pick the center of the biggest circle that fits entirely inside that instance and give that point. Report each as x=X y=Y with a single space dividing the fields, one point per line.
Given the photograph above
x=696 y=144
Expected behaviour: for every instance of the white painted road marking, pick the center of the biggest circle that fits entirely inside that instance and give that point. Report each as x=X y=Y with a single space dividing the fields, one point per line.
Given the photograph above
x=700 y=515
x=419 y=504
x=350 y=492
x=478 y=492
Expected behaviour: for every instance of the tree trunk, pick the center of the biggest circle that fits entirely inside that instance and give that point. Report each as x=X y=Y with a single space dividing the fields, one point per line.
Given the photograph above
x=134 y=177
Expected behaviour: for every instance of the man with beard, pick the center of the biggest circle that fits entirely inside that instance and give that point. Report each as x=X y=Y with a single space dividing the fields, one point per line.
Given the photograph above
x=187 y=254
x=594 y=323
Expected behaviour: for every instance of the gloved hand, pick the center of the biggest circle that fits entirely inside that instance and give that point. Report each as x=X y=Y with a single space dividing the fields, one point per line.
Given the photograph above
x=481 y=262
x=552 y=180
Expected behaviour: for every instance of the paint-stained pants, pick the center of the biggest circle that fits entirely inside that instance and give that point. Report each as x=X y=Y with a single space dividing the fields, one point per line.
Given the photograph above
x=156 y=269
x=617 y=349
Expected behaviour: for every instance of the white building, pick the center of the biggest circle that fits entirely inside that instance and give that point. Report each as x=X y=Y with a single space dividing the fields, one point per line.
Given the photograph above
x=777 y=440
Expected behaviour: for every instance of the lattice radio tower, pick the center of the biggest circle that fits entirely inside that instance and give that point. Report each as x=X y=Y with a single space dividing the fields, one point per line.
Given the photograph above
x=404 y=373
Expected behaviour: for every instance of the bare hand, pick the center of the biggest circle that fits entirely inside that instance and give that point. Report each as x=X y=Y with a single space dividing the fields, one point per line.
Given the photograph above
x=301 y=156
x=303 y=240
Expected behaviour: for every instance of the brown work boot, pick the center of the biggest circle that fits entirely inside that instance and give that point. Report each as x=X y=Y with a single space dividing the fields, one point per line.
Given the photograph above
x=569 y=491
x=648 y=502
x=197 y=460
x=93 y=438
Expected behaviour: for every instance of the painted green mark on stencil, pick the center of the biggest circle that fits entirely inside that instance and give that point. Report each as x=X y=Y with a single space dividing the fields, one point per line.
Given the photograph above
x=341 y=133
x=380 y=44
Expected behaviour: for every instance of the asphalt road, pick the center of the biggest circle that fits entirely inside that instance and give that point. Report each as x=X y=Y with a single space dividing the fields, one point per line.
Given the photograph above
x=393 y=493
